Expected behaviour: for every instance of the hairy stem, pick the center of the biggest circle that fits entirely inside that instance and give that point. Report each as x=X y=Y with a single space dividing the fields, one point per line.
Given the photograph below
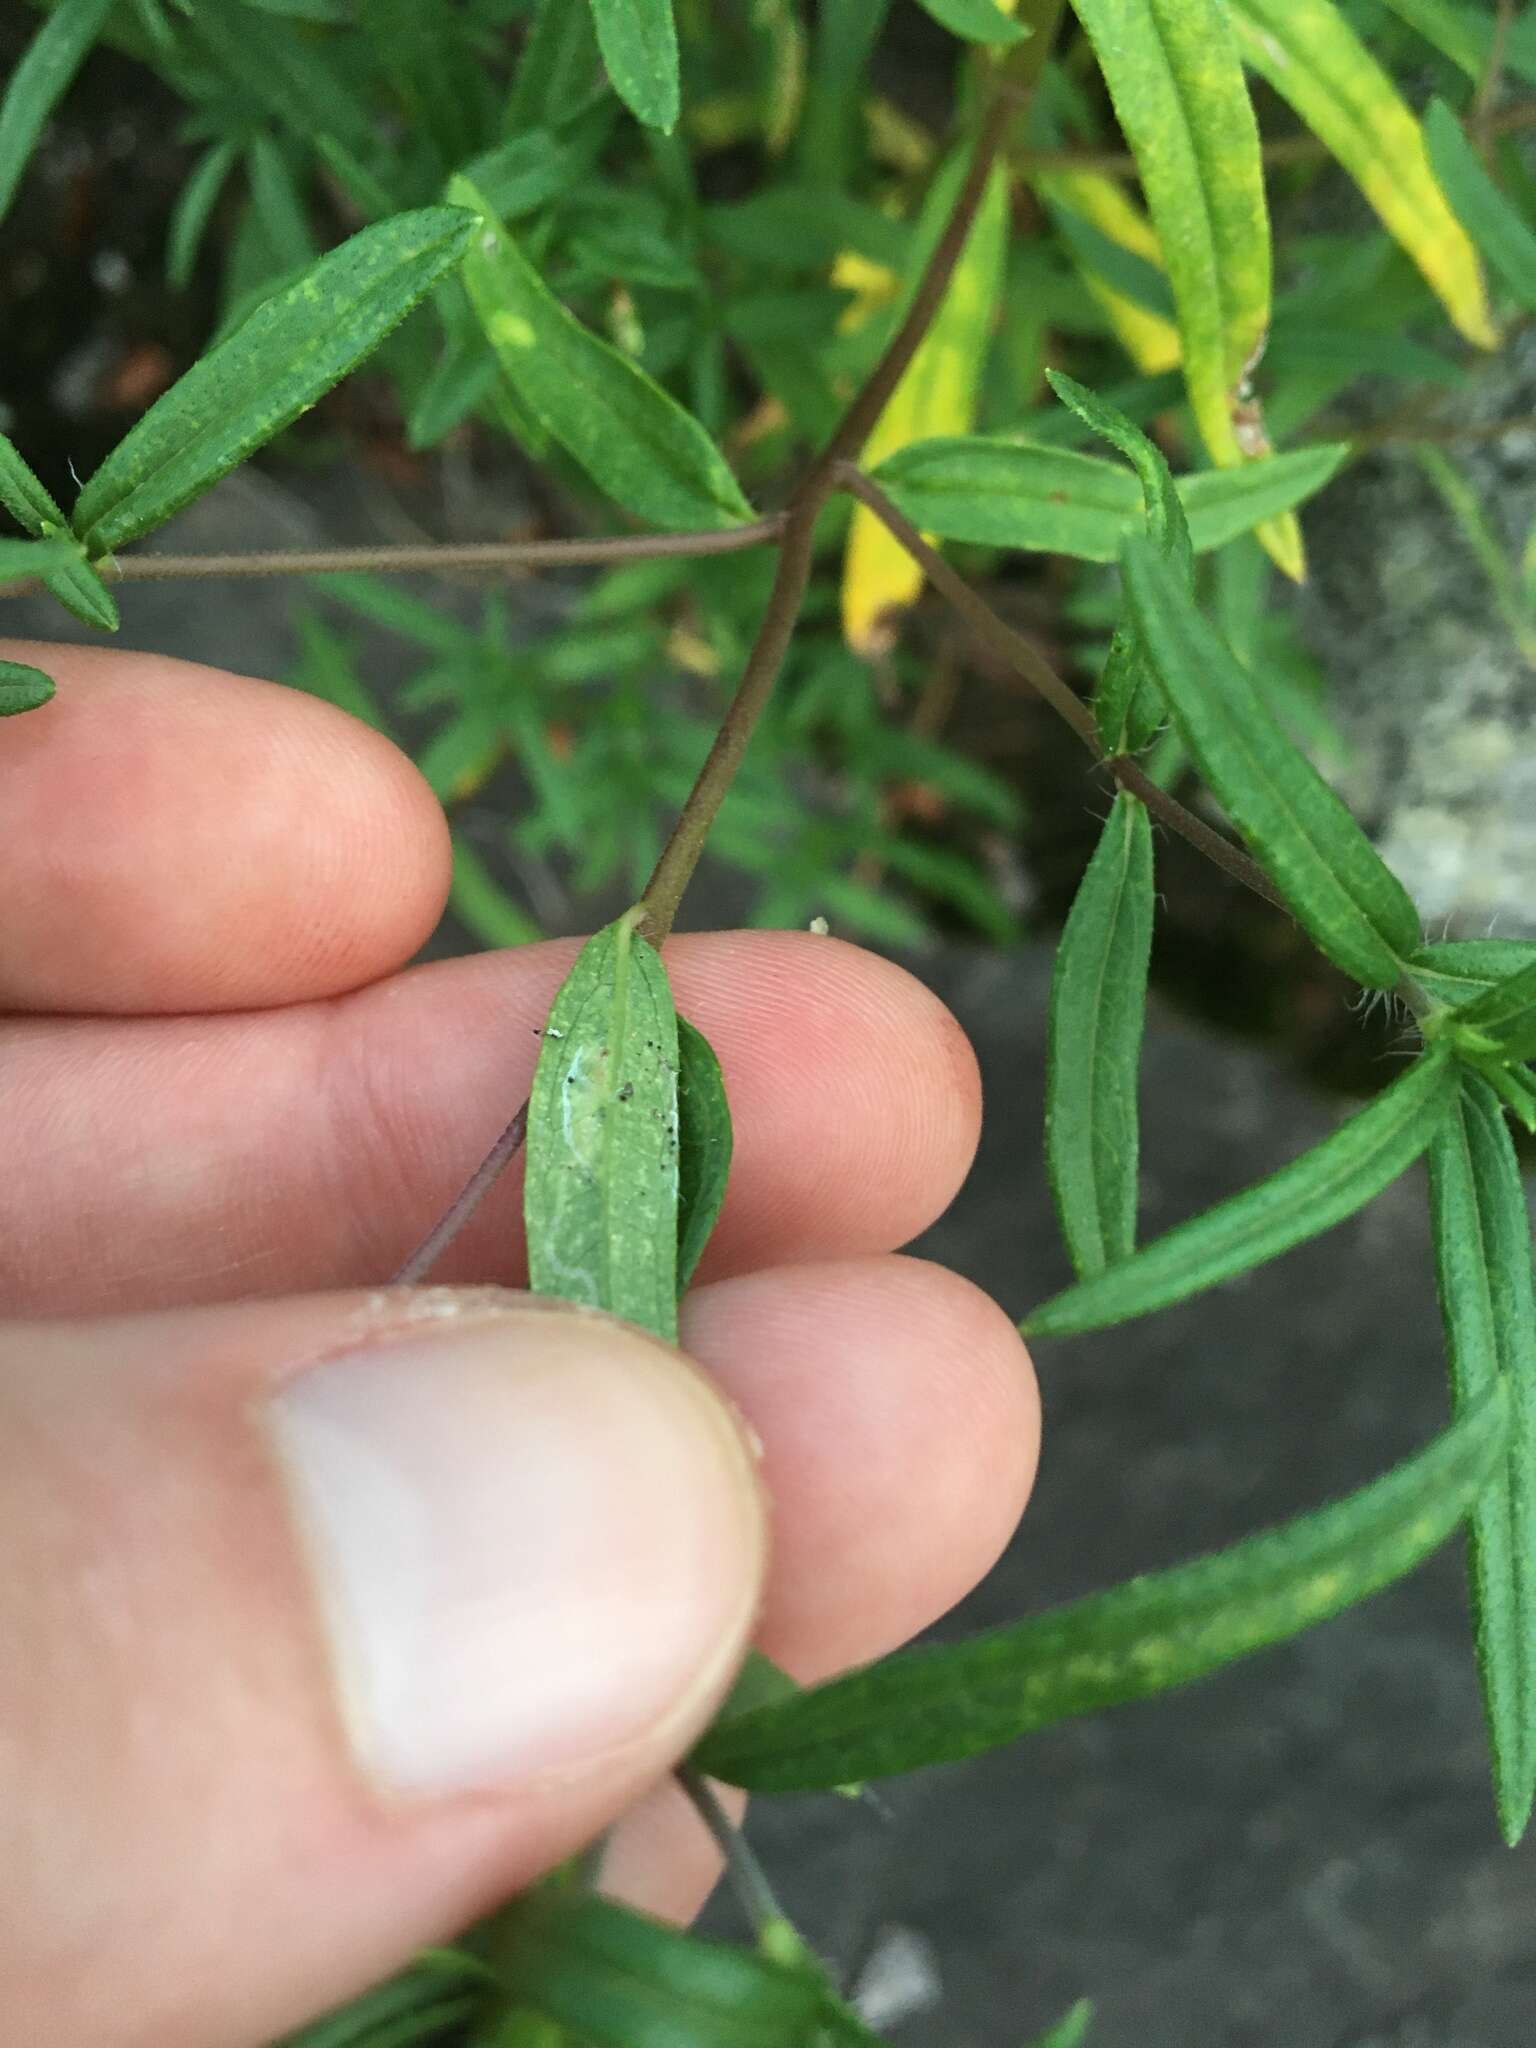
x=1027 y=661
x=436 y=555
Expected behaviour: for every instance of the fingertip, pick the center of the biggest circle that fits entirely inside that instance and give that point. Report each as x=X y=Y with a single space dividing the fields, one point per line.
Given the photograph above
x=900 y=1419
x=181 y=839
x=842 y=1070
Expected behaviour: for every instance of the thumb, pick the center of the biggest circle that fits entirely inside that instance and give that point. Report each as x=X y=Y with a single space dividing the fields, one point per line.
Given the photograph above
x=328 y=1624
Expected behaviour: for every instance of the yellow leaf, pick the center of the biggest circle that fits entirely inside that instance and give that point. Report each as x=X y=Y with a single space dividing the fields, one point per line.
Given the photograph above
x=1151 y=342
x=1313 y=58
x=936 y=396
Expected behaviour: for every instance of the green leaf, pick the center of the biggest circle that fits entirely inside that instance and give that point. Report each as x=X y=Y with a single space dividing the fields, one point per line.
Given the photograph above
x=975 y=21
x=23 y=688
x=28 y=558
x=480 y=901
x=1448 y=30
x=1176 y=80
x=704 y=1146
x=1504 y=238
x=441 y=1990
x=939 y=1703
x=193 y=209
x=1049 y=500
x=55 y=557
x=281 y=358
x=23 y=495
x=1098 y=1005
x=1128 y=703
x=601 y=1190
x=557 y=72
x=1329 y=873
x=1312 y=57
x=1502 y=1021
x=621 y=1980
x=633 y=440
x=1070 y=2031
x=40 y=81
x=638 y=39
x=1365 y=1154
x=80 y=590
x=1461 y=500
x=1457 y=971
x=1483 y=1263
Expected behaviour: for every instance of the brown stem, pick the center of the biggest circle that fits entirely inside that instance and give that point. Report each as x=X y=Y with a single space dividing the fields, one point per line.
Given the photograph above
x=489 y=554
x=1480 y=118
x=1027 y=661
x=479 y=1184
x=680 y=855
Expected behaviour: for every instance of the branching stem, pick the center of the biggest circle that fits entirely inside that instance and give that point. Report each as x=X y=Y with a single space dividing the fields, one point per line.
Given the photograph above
x=1027 y=661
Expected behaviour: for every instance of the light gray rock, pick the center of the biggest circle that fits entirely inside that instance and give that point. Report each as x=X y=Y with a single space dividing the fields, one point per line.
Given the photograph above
x=1435 y=698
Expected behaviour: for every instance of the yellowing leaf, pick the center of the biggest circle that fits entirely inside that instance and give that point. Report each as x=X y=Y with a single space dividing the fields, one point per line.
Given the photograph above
x=936 y=396
x=1151 y=342
x=874 y=287
x=1175 y=76
x=1313 y=58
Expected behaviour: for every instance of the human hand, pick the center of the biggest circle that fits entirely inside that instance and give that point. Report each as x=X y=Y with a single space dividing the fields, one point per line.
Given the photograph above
x=333 y=1615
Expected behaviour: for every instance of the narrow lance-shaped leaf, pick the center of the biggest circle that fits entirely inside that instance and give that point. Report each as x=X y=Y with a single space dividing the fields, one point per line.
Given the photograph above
x=1128 y=703
x=1335 y=882
x=1458 y=971
x=1504 y=238
x=557 y=71
x=1176 y=80
x=1098 y=1005
x=1312 y=57
x=638 y=39
x=633 y=439
x=1070 y=2031
x=1149 y=336
x=281 y=358
x=976 y=21
x=1502 y=1020
x=441 y=1991
x=619 y=1979
x=193 y=209
x=600 y=1187
x=1365 y=1154
x=484 y=905
x=1021 y=494
x=23 y=688
x=63 y=568
x=705 y=1141
x=940 y=1703
x=1451 y=29
x=937 y=394
x=1483 y=1263
x=39 y=82
x=23 y=493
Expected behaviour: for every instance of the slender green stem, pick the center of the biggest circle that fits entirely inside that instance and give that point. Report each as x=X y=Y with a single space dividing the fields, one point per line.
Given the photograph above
x=1027 y=661
x=748 y=1879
